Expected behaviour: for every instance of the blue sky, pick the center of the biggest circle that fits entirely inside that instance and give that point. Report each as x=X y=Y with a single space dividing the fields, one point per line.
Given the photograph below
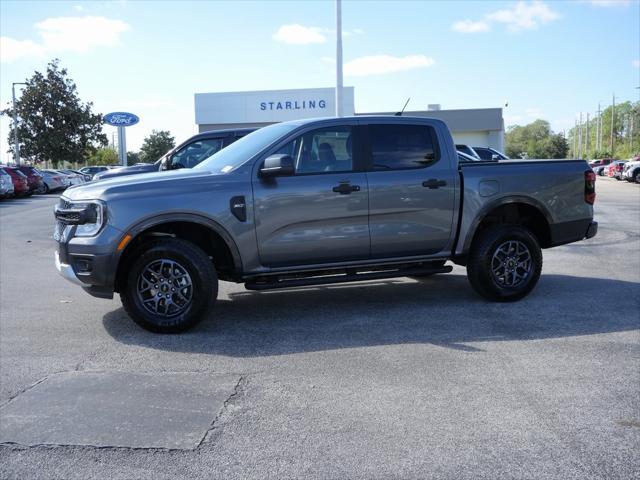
x=549 y=59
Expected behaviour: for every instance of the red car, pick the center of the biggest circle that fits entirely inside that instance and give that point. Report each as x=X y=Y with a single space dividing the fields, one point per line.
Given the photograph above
x=34 y=178
x=19 y=179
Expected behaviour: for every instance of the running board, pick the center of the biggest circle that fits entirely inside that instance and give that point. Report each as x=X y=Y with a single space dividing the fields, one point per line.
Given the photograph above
x=343 y=278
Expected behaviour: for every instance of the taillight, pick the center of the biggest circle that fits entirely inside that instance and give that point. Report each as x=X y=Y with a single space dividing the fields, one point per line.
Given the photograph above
x=589 y=187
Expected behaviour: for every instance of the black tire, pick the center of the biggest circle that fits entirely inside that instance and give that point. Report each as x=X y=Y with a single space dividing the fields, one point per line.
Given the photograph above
x=636 y=176
x=427 y=275
x=202 y=293
x=486 y=252
x=46 y=188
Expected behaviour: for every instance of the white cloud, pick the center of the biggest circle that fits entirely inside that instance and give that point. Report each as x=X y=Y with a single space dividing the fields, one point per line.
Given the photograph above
x=66 y=34
x=636 y=63
x=78 y=8
x=524 y=15
x=469 y=26
x=80 y=34
x=610 y=3
x=12 y=49
x=296 y=34
x=381 y=64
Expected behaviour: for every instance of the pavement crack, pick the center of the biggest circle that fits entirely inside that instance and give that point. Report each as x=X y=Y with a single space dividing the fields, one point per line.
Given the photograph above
x=238 y=390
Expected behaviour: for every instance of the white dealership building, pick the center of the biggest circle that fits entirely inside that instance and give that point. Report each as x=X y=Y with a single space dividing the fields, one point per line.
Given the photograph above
x=482 y=127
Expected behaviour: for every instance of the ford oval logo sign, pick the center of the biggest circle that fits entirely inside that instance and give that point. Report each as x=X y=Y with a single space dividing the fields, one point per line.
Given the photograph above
x=121 y=119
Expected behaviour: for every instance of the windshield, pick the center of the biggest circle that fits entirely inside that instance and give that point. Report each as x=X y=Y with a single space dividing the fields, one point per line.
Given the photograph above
x=237 y=153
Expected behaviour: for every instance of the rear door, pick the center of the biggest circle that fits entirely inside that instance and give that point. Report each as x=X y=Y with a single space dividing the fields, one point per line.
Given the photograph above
x=319 y=214
x=411 y=191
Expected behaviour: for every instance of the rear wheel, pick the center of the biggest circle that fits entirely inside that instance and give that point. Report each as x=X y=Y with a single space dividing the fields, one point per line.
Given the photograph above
x=636 y=176
x=505 y=262
x=170 y=286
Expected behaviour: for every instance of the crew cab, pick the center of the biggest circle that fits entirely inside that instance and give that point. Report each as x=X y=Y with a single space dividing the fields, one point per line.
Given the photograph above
x=186 y=155
x=319 y=201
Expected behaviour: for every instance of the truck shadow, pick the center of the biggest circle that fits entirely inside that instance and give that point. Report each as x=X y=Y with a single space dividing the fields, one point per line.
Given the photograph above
x=442 y=311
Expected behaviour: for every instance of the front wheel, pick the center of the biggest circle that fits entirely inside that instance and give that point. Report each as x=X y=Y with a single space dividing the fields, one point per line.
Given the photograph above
x=505 y=262
x=170 y=286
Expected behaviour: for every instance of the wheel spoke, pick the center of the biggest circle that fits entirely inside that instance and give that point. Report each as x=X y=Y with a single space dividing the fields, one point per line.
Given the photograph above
x=164 y=288
x=511 y=263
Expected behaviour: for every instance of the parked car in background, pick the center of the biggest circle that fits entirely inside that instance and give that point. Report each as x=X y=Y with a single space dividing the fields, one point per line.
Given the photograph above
x=464 y=158
x=467 y=149
x=6 y=184
x=488 y=153
x=616 y=169
x=598 y=166
x=631 y=170
x=34 y=178
x=186 y=155
x=76 y=178
x=20 y=182
x=91 y=171
x=54 y=180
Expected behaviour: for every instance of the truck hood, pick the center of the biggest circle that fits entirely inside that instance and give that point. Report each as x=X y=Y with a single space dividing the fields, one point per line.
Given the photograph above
x=127 y=170
x=163 y=183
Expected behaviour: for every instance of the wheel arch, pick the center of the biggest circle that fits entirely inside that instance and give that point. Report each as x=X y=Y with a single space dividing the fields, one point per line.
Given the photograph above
x=519 y=210
x=206 y=233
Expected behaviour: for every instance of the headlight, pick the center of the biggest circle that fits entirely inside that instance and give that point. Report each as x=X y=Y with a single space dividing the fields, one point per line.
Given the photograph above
x=89 y=217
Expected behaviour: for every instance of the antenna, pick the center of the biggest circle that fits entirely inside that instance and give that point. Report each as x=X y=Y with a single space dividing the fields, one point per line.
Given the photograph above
x=399 y=114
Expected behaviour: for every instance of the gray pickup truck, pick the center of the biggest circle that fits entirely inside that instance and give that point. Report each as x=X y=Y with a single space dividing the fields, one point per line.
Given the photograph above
x=316 y=202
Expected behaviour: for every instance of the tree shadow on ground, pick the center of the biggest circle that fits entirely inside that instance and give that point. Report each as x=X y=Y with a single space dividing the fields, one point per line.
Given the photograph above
x=441 y=310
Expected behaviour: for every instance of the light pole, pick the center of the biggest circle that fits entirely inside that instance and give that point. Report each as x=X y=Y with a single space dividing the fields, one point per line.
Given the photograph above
x=339 y=110
x=16 y=151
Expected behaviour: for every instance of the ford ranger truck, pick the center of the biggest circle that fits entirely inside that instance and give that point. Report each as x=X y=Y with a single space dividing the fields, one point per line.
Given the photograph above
x=319 y=201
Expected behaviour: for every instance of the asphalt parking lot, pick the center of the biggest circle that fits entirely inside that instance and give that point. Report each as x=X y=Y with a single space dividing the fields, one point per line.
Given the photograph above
x=383 y=379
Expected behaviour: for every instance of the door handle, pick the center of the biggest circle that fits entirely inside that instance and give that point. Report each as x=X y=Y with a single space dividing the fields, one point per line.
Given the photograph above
x=434 y=183
x=345 y=188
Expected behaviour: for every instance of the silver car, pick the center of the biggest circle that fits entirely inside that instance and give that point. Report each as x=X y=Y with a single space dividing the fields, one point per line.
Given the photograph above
x=54 y=180
x=6 y=184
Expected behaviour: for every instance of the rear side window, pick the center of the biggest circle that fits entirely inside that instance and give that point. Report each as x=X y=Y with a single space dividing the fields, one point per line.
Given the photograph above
x=399 y=147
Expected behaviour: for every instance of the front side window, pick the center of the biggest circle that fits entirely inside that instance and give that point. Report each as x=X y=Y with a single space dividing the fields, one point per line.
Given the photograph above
x=192 y=154
x=323 y=150
x=398 y=147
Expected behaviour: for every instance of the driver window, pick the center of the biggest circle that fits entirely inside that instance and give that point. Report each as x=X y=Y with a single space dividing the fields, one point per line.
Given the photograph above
x=194 y=153
x=320 y=151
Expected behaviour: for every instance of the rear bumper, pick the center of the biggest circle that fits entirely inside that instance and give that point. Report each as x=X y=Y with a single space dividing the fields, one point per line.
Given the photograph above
x=568 y=232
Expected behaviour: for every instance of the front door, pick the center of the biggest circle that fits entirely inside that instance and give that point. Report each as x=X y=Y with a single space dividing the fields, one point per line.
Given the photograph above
x=319 y=214
x=411 y=191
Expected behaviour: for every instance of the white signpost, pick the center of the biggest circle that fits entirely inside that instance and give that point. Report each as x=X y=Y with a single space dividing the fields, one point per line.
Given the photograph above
x=121 y=120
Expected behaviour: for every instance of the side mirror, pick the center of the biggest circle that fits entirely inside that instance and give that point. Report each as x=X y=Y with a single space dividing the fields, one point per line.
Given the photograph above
x=277 y=166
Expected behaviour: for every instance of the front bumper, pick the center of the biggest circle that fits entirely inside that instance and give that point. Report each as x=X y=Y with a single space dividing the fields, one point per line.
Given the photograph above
x=90 y=262
x=67 y=272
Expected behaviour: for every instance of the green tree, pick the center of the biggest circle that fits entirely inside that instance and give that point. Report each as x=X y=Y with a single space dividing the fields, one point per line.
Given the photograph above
x=54 y=125
x=133 y=158
x=535 y=140
x=626 y=133
x=155 y=145
x=104 y=156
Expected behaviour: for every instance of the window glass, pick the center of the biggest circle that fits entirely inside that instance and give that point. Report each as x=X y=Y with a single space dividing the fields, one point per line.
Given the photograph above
x=323 y=150
x=192 y=154
x=484 y=153
x=396 y=147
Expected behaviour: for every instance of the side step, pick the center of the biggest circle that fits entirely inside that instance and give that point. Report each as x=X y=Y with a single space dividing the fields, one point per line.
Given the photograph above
x=343 y=278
